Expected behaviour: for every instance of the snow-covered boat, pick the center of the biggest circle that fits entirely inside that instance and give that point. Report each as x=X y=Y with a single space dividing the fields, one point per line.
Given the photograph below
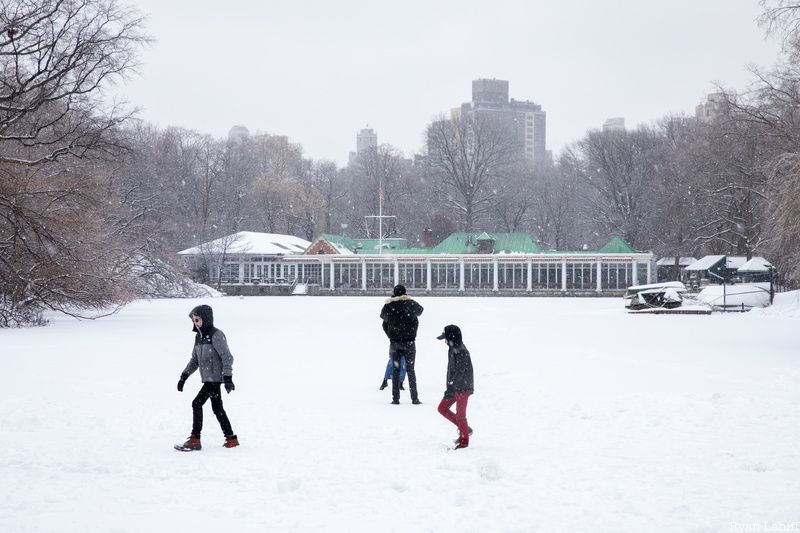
x=667 y=295
x=738 y=297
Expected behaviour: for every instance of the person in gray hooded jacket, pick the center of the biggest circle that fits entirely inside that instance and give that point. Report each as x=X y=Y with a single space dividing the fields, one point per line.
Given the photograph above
x=214 y=359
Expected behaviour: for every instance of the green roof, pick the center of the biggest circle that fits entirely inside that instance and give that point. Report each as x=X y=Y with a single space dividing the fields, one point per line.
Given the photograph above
x=411 y=251
x=467 y=243
x=340 y=240
x=371 y=246
x=617 y=245
x=368 y=246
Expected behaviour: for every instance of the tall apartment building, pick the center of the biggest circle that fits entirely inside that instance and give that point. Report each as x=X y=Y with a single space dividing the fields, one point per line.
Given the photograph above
x=365 y=139
x=614 y=124
x=714 y=108
x=525 y=119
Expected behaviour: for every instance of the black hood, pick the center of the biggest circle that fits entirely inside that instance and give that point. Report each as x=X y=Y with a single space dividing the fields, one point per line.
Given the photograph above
x=453 y=335
x=207 y=314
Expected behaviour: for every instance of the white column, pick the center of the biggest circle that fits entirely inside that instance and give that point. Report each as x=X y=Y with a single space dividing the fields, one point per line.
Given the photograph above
x=241 y=273
x=634 y=273
x=599 y=276
x=649 y=273
x=429 y=275
x=363 y=274
x=461 y=275
x=496 y=271
x=564 y=275
x=530 y=275
x=396 y=272
x=333 y=277
x=322 y=274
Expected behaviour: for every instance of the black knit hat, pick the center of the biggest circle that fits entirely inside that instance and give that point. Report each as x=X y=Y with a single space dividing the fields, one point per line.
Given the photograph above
x=398 y=290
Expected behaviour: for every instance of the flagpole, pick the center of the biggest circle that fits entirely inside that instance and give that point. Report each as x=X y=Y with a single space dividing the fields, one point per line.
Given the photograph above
x=380 y=217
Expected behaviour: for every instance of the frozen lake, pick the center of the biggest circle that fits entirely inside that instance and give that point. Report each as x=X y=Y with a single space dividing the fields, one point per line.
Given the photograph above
x=586 y=419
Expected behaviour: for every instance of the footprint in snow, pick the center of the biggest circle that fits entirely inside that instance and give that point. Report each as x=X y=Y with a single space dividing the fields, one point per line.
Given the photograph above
x=489 y=471
x=400 y=487
x=288 y=485
x=757 y=467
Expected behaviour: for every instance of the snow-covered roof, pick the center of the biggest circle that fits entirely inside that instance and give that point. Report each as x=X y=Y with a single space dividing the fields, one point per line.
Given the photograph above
x=341 y=249
x=658 y=286
x=705 y=263
x=670 y=261
x=756 y=264
x=732 y=262
x=735 y=262
x=252 y=243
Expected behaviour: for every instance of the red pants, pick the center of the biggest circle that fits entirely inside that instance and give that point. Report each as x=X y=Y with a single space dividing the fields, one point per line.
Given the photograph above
x=459 y=418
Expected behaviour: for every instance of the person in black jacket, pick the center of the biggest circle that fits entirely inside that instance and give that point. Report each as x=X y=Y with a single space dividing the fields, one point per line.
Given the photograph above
x=460 y=383
x=400 y=324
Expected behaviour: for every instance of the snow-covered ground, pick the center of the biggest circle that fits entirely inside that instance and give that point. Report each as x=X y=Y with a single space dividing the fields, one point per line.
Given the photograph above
x=586 y=418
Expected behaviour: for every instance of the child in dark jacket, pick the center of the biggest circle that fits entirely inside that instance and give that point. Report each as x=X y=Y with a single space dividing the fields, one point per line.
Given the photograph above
x=460 y=384
x=212 y=356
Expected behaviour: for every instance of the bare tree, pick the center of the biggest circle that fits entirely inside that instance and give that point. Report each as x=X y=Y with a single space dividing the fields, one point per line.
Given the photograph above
x=467 y=154
x=60 y=241
x=377 y=174
x=513 y=198
x=305 y=210
x=54 y=57
x=781 y=17
x=271 y=194
x=329 y=181
x=733 y=192
x=213 y=255
x=57 y=250
x=784 y=218
x=618 y=168
x=555 y=208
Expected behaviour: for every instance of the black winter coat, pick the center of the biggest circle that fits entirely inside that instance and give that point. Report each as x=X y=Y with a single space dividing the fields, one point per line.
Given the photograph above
x=459 y=371
x=399 y=316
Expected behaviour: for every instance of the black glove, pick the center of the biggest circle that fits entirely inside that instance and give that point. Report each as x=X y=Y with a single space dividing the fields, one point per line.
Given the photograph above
x=229 y=386
x=181 y=381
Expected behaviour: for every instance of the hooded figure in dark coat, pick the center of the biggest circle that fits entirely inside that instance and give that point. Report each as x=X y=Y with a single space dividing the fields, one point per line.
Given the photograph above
x=400 y=322
x=213 y=358
x=460 y=383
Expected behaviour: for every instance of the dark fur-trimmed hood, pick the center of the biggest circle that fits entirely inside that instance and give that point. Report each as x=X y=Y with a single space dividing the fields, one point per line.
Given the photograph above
x=398 y=298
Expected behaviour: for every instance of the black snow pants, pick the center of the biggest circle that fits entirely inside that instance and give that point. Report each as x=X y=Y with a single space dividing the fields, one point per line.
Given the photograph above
x=398 y=350
x=210 y=390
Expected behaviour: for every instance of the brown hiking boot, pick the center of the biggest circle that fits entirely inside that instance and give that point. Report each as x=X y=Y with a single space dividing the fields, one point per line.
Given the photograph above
x=231 y=442
x=192 y=444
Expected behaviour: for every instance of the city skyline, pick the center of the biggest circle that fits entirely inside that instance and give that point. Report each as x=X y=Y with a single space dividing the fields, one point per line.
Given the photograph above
x=320 y=73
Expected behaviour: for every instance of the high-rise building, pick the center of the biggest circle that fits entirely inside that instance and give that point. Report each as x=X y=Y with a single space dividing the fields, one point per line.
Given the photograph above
x=614 y=124
x=525 y=119
x=365 y=139
x=714 y=108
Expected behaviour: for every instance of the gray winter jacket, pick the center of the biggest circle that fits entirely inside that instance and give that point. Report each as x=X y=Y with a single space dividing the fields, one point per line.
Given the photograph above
x=212 y=356
x=210 y=353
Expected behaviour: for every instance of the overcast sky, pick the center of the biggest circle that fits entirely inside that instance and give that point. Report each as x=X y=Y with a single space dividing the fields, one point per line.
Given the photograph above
x=320 y=70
